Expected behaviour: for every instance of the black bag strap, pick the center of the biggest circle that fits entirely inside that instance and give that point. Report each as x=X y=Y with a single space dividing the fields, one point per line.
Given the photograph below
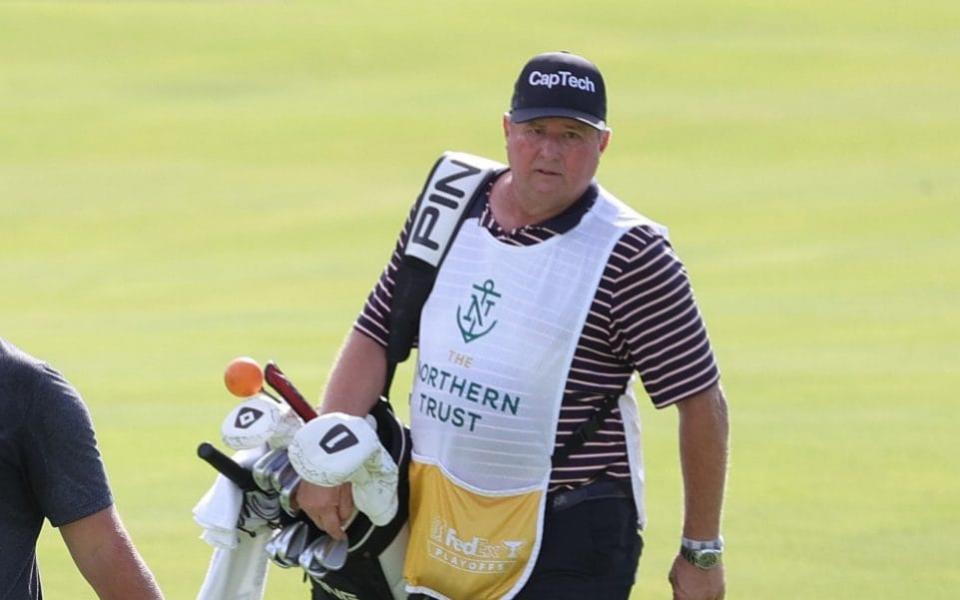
x=453 y=186
x=587 y=430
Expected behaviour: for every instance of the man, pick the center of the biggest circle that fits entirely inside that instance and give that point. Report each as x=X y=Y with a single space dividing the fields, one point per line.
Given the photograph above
x=552 y=294
x=50 y=468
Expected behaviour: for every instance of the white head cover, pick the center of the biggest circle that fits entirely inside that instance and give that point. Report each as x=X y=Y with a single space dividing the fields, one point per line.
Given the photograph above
x=337 y=448
x=259 y=420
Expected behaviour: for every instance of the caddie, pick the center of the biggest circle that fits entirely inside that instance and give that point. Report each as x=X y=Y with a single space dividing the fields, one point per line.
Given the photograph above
x=526 y=478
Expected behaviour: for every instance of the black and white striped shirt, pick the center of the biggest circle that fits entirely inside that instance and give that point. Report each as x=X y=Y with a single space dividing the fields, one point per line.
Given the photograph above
x=643 y=318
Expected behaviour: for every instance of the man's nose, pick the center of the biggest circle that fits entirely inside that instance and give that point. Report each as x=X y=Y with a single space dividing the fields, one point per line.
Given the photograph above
x=550 y=146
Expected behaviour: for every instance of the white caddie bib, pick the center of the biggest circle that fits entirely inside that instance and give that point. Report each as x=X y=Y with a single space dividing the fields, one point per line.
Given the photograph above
x=497 y=337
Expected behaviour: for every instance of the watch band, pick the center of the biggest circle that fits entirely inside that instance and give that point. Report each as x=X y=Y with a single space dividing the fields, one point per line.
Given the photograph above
x=690 y=544
x=703 y=554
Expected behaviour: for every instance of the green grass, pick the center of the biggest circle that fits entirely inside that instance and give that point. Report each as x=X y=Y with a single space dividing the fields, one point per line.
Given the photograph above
x=181 y=183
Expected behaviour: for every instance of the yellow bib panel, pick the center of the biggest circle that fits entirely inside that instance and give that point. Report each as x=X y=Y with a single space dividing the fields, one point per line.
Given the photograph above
x=470 y=545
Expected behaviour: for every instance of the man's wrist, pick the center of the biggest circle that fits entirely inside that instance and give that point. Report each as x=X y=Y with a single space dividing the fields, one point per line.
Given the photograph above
x=692 y=544
x=703 y=554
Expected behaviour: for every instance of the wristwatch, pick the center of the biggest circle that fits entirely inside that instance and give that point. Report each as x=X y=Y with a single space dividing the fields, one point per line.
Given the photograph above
x=703 y=555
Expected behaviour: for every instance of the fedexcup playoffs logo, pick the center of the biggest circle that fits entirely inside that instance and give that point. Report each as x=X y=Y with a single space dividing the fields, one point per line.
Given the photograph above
x=474 y=555
x=247 y=417
x=474 y=322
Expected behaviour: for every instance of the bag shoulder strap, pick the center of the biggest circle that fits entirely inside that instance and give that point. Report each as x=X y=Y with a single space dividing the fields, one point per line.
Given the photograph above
x=586 y=431
x=454 y=184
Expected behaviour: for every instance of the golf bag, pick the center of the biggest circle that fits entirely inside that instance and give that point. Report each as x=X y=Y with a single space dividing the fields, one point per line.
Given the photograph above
x=453 y=185
x=374 y=564
x=374 y=567
x=248 y=515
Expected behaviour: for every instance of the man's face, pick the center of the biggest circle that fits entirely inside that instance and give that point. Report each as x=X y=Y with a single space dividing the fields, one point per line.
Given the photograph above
x=553 y=159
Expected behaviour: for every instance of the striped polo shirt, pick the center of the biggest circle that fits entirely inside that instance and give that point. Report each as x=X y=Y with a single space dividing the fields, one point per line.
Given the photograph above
x=643 y=318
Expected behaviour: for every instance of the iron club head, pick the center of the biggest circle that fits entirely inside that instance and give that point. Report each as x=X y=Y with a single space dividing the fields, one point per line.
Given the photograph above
x=308 y=559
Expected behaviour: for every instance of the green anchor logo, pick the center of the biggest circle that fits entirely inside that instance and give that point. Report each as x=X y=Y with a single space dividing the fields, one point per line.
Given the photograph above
x=473 y=324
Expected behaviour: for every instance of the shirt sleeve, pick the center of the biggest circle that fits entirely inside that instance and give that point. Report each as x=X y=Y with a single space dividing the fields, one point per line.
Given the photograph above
x=656 y=322
x=64 y=466
x=374 y=319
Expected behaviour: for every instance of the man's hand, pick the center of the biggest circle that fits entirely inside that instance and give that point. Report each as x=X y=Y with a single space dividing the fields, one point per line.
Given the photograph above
x=704 y=429
x=329 y=507
x=354 y=387
x=692 y=583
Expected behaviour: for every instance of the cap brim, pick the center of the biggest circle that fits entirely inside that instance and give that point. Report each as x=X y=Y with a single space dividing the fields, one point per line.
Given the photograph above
x=522 y=115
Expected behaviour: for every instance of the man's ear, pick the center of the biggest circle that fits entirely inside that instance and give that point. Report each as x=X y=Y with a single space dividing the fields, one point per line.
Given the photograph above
x=605 y=139
x=506 y=125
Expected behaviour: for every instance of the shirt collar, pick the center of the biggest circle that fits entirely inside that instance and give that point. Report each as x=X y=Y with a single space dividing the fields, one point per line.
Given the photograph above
x=561 y=223
x=571 y=216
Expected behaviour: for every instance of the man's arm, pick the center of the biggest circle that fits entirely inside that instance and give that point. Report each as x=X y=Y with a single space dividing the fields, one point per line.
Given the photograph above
x=357 y=379
x=704 y=429
x=355 y=385
x=103 y=552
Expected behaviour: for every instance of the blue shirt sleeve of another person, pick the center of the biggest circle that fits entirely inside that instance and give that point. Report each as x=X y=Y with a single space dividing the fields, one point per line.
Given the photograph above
x=63 y=464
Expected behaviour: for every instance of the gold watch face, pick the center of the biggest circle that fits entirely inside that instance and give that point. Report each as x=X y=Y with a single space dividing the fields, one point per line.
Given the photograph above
x=702 y=559
x=707 y=559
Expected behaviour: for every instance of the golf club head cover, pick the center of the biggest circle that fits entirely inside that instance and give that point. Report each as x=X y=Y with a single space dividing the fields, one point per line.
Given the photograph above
x=259 y=420
x=259 y=511
x=337 y=448
x=375 y=490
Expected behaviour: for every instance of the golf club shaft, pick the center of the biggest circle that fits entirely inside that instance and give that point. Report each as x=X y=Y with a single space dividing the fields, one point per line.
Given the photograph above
x=288 y=391
x=226 y=466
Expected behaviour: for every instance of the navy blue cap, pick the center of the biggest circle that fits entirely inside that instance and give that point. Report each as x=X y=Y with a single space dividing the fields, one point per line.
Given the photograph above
x=560 y=84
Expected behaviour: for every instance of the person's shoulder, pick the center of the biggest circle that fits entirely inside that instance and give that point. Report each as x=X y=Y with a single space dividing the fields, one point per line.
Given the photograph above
x=628 y=219
x=17 y=367
x=33 y=381
x=640 y=238
x=640 y=249
x=21 y=383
